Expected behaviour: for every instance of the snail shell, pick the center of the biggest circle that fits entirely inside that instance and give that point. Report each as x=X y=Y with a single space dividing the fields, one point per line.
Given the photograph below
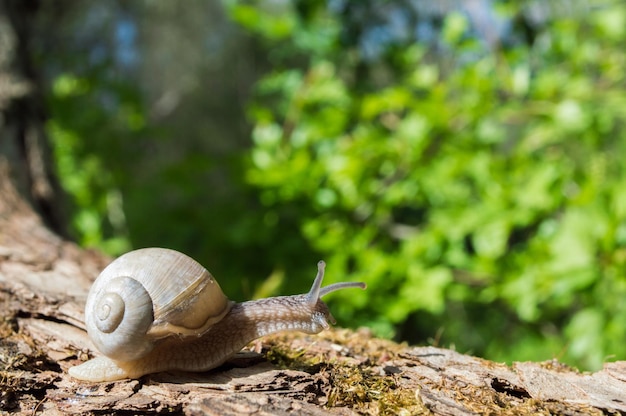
x=150 y=294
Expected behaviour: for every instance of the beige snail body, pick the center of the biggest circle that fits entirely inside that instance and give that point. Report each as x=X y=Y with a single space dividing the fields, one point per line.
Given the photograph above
x=156 y=309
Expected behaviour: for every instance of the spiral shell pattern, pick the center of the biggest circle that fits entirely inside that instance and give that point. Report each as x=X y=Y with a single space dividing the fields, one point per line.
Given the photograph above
x=121 y=315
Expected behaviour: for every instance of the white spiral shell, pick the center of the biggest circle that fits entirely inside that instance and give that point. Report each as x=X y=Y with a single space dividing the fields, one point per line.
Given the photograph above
x=147 y=295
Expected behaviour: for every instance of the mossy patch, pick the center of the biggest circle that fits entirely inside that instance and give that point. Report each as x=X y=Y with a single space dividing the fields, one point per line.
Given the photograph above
x=373 y=376
x=350 y=365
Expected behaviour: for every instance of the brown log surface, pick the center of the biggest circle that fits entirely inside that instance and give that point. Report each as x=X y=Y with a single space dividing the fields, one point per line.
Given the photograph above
x=43 y=285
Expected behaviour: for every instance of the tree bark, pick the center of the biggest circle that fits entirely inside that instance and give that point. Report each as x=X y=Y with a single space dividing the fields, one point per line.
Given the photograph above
x=23 y=141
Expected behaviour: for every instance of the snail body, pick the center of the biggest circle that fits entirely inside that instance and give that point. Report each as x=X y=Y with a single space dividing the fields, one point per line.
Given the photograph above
x=156 y=309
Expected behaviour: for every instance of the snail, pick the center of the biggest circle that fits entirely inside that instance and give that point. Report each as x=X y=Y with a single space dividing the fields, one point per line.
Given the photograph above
x=155 y=309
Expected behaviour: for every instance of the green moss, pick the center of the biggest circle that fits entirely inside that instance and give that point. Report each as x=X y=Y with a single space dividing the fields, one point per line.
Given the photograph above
x=347 y=364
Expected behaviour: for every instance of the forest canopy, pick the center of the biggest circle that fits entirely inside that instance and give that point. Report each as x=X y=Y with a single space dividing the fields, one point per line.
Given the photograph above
x=465 y=159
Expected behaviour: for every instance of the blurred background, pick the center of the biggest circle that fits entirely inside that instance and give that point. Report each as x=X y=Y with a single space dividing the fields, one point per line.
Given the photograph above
x=466 y=159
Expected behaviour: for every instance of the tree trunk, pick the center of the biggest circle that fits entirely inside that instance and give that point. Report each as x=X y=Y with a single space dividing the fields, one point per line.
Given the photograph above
x=44 y=280
x=23 y=140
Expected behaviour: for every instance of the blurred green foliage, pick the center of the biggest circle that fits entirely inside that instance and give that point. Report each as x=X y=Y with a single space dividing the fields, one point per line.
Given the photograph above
x=479 y=193
x=78 y=145
x=149 y=134
x=476 y=186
